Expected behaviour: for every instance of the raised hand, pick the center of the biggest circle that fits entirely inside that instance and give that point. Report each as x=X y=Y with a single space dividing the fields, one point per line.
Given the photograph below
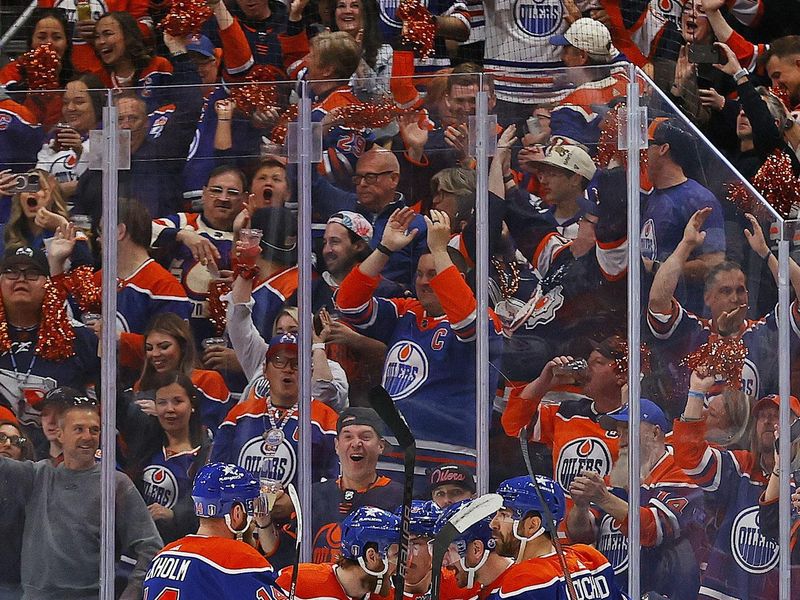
x=691 y=233
x=438 y=230
x=62 y=244
x=396 y=236
x=732 y=66
x=756 y=238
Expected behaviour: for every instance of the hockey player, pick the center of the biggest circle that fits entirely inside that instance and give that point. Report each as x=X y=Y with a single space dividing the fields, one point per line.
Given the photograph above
x=471 y=558
x=423 y=528
x=519 y=532
x=369 y=559
x=213 y=563
x=429 y=368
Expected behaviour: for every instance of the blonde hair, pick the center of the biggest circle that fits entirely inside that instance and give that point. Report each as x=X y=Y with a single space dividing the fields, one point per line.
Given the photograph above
x=339 y=50
x=17 y=231
x=289 y=311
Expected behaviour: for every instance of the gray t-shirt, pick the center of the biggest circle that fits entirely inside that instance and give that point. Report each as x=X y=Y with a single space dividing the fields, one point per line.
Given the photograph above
x=61 y=539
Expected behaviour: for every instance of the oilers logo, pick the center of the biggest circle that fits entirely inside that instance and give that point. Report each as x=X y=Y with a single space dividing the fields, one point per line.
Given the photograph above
x=405 y=371
x=613 y=544
x=670 y=10
x=160 y=486
x=648 y=240
x=752 y=551
x=280 y=467
x=388 y=11
x=583 y=454
x=5 y=121
x=539 y=18
x=544 y=307
x=327 y=543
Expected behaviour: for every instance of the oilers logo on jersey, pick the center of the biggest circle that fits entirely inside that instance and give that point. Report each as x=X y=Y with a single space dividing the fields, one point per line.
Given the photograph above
x=613 y=544
x=160 y=486
x=582 y=454
x=538 y=18
x=648 y=240
x=752 y=551
x=405 y=370
x=279 y=467
x=388 y=11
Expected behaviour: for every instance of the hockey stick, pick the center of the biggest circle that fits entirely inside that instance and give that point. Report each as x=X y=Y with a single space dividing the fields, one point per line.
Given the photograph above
x=299 y=528
x=549 y=520
x=383 y=404
x=463 y=519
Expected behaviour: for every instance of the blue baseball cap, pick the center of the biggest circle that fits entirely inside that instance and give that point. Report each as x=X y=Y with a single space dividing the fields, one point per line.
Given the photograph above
x=283 y=341
x=201 y=44
x=650 y=413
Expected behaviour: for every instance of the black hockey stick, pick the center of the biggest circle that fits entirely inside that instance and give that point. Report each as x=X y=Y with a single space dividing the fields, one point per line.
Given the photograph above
x=463 y=519
x=299 y=529
x=549 y=521
x=383 y=404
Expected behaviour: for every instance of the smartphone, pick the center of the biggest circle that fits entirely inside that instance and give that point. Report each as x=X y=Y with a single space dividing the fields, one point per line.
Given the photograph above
x=26 y=182
x=706 y=54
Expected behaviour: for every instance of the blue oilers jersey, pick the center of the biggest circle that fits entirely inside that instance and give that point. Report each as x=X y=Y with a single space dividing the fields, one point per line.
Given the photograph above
x=200 y=567
x=21 y=137
x=149 y=291
x=270 y=296
x=194 y=277
x=23 y=387
x=166 y=479
x=429 y=368
x=240 y=440
x=742 y=563
x=541 y=578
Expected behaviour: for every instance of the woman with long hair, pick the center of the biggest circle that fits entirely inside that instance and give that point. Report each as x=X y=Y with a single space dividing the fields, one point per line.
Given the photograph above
x=164 y=453
x=65 y=152
x=49 y=26
x=169 y=346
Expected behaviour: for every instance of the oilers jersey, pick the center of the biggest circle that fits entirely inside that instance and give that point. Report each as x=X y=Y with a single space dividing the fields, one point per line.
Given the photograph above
x=429 y=368
x=240 y=441
x=166 y=479
x=542 y=579
x=152 y=85
x=194 y=277
x=201 y=567
x=316 y=581
x=742 y=563
x=20 y=136
x=270 y=296
x=673 y=538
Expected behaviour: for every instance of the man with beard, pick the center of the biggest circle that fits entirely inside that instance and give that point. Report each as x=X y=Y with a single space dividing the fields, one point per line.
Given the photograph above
x=519 y=532
x=367 y=563
x=570 y=428
x=471 y=558
x=742 y=563
x=671 y=509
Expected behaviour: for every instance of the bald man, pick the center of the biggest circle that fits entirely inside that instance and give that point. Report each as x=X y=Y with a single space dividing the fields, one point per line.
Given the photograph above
x=376 y=197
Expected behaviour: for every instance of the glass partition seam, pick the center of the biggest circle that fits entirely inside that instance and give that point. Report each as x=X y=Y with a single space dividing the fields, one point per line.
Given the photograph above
x=482 y=289
x=634 y=301
x=304 y=305
x=784 y=504
x=108 y=345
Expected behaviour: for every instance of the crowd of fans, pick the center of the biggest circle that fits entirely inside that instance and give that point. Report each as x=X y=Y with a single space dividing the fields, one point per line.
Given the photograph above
x=207 y=274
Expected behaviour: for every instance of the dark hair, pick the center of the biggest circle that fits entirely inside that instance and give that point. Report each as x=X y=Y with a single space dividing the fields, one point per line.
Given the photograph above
x=372 y=39
x=162 y=380
x=230 y=169
x=782 y=47
x=59 y=15
x=170 y=324
x=137 y=221
x=470 y=74
x=28 y=452
x=135 y=46
x=96 y=91
x=724 y=266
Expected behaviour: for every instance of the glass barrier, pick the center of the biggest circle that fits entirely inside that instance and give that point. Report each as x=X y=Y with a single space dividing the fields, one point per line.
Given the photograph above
x=269 y=278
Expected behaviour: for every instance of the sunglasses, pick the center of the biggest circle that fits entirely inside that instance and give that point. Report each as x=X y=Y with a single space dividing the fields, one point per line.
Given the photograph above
x=16 y=440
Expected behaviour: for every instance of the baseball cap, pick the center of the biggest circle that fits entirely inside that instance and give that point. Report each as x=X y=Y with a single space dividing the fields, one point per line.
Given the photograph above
x=452 y=474
x=650 y=413
x=774 y=399
x=201 y=44
x=60 y=397
x=571 y=158
x=6 y=415
x=354 y=222
x=359 y=415
x=588 y=35
x=283 y=341
x=26 y=257
x=614 y=347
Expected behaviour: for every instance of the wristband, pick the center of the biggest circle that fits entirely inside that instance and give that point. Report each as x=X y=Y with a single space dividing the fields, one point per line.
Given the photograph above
x=508 y=178
x=318 y=346
x=767 y=257
x=696 y=394
x=690 y=419
x=741 y=73
x=384 y=250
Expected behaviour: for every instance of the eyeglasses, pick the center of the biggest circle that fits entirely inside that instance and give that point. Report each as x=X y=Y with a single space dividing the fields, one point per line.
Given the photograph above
x=16 y=440
x=216 y=192
x=281 y=362
x=369 y=178
x=28 y=274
